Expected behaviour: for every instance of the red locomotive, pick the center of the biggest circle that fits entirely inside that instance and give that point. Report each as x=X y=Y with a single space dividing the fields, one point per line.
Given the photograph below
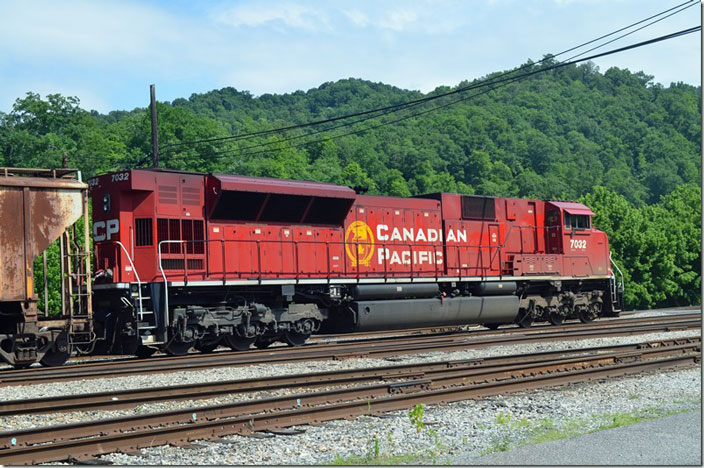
x=194 y=260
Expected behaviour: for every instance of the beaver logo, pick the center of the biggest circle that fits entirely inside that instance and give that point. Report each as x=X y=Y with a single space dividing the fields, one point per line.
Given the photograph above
x=359 y=243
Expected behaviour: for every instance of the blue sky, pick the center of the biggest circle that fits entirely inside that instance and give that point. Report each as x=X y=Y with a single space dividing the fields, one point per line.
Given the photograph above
x=108 y=52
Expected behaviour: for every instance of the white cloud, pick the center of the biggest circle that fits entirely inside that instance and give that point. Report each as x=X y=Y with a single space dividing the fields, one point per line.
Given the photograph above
x=357 y=18
x=422 y=16
x=398 y=20
x=117 y=33
x=260 y=14
x=108 y=52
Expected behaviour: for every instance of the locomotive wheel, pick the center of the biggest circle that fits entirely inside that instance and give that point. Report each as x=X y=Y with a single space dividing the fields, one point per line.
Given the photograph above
x=556 y=319
x=525 y=320
x=178 y=348
x=238 y=343
x=265 y=343
x=586 y=315
x=293 y=338
x=144 y=351
x=207 y=346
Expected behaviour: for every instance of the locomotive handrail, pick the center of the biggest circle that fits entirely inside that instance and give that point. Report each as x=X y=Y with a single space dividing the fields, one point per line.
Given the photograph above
x=481 y=264
x=163 y=274
x=136 y=275
x=622 y=284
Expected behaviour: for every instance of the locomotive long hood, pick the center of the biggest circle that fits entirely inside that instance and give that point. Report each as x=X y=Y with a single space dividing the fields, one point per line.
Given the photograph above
x=218 y=185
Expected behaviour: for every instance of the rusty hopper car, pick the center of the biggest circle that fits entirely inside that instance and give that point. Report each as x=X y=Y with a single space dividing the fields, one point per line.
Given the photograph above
x=195 y=260
x=37 y=208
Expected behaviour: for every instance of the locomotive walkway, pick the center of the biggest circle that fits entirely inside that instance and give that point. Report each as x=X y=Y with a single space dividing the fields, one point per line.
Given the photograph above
x=379 y=347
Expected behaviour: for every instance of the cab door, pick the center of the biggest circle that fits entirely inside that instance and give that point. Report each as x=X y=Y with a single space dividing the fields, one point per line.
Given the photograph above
x=553 y=231
x=494 y=249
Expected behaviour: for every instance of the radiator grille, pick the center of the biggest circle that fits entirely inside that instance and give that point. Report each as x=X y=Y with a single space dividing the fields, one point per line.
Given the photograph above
x=143 y=231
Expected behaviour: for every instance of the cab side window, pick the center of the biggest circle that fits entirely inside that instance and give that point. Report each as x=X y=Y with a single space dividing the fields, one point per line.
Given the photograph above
x=577 y=221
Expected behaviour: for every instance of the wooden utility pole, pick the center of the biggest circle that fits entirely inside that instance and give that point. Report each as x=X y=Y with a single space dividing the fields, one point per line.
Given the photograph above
x=155 y=134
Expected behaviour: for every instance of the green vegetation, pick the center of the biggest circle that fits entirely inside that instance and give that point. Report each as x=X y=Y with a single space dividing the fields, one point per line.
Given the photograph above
x=415 y=415
x=625 y=146
x=373 y=455
x=526 y=432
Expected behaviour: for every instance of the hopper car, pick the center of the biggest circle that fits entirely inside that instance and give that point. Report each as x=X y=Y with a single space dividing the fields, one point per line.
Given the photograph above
x=39 y=207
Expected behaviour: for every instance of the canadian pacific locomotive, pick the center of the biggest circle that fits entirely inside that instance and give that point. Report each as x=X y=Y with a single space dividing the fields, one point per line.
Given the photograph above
x=190 y=260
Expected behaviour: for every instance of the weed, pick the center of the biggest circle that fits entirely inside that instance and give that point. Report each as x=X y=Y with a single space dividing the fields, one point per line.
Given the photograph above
x=416 y=416
x=376 y=447
x=503 y=418
x=523 y=422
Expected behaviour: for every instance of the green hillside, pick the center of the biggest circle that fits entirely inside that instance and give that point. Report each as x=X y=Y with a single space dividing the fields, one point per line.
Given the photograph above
x=627 y=147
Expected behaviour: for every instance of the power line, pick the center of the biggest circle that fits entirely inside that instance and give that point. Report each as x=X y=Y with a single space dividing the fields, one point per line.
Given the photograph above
x=502 y=83
x=387 y=109
x=467 y=88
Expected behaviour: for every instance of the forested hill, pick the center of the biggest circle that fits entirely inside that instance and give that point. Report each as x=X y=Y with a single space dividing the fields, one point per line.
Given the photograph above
x=555 y=136
x=613 y=139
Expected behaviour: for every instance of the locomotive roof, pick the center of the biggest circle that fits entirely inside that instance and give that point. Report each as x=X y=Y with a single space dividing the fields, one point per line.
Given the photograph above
x=270 y=185
x=573 y=208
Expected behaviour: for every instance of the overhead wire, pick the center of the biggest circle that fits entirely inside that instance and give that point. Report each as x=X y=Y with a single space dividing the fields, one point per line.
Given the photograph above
x=491 y=86
x=334 y=137
x=474 y=86
x=401 y=106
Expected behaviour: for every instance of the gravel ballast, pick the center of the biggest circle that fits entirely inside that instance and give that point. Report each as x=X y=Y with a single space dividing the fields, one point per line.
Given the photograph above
x=472 y=428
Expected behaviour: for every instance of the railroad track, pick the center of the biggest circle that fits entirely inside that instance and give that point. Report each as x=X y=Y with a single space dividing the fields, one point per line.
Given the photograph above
x=131 y=398
x=404 y=387
x=372 y=348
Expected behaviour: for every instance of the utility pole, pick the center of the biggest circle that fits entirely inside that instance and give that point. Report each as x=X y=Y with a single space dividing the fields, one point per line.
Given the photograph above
x=155 y=134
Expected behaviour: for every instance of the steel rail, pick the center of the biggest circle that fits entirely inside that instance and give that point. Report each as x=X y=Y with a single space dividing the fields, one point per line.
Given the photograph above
x=324 y=352
x=350 y=340
x=440 y=374
x=247 y=417
x=624 y=318
x=131 y=398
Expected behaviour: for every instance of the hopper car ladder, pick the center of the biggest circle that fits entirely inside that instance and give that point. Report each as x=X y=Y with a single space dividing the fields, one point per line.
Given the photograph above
x=76 y=293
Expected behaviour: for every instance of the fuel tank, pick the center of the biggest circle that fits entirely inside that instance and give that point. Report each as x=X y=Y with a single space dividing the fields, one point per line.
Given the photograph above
x=409 y=313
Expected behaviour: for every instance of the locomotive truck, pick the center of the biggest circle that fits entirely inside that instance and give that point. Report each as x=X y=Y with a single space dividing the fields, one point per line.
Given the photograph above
x=191 y=260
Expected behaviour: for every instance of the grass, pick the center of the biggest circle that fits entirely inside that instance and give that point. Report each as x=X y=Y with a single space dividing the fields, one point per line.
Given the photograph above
x=403 y=459
x=524 y=432
x=516 y=432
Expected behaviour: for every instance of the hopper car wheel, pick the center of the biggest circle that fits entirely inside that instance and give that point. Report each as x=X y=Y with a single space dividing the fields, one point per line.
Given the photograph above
x=293 y=338
x=58 y=354
x=207 y=346
x=178 y=348
x=238 y=343
x=22 y=365
x=55 y=358
x=144 y=351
